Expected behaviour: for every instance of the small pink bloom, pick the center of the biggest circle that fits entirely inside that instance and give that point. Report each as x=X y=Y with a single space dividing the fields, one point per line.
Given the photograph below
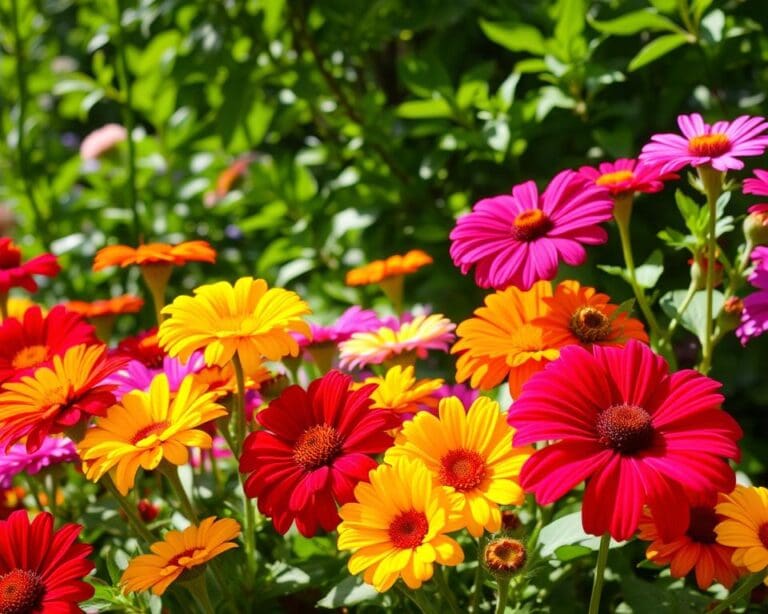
x=102 y=140
x=754 y=317
x=626 y=175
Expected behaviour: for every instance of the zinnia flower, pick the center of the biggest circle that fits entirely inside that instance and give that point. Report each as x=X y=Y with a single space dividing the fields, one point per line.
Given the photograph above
x=379 y=270
x=719 y=145
x=317 y=445
x=179 y=552
x=754 y=317
x=16 y=460
x=246 y=318
x=396 y=527
x=638 y=434
x=519 y=239
x=101 y=140
x=55 y=398
x=14 y=273
x=470 y=453
x=154 y=254
x=147 y=427
x=399 y=391
x=625 y=176
x=404 y=342
x=32 y=340
x=745 y=527
x=42 y=569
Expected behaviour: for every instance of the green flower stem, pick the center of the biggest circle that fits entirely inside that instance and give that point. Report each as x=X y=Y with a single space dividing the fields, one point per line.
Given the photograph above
x=199 y=590
x=477 y=587
x=129 y=508
x=735 y=596
x=712 y=181
x=599 y=579
x=172 y=475
x=445 y=590
x=34 y=489
x=501 y=602
x=51 y=484
x=238 y=422
x=681 y=310
x=417 y=598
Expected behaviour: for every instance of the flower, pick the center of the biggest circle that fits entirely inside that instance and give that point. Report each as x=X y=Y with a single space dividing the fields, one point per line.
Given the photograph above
x=719 y=145
x=144 y=348
x=504 y=556
x=179 y=552
x=317 y=444
x=136 y=376
x=55 y=398
x=42 y=569
x=14 y=273
x=31 y=341
x=147 y=427
x=353 y=320
x=464 y=393
x=228 y=178
x=117 y=305
x=399 y=391
x=638 y=434
x=745 y=526
x=757 y=185
x=16 y=460
x=223 y=380
x=754 y=317
x=246 y=318
x=470 y=453
x=625 y=176
x=379 y=270
x=398 y=341
x=100 y=141
x=154 y=254
x=519 y=239
x=396 y=527
x=696 y=548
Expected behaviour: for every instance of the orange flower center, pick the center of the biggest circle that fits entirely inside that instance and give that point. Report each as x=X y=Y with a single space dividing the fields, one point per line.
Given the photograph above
x=21 y=591
x=762 y=533
x=505 y=555
x=702 y=526
x=590 y=325
x=317 y=446
x=625 y=428
x=615 y=177
x=151 y=429
x=30 y=356
x=530 y=225
x=710 y=145
x=463 y=469
x=408 y=530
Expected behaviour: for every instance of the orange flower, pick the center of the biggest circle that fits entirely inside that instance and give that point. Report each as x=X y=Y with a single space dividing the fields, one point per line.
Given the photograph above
x=379 y=270
x=222 y=380
x=107 y=307
x=154 y=253
x=399 y=391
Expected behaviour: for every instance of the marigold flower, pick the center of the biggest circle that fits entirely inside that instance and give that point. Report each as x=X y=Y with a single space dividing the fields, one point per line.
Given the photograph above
x=16 y=460
x=246 y=318
x=399 y=391
x=470 y=453
x=101 y=140
x=154 y=254
x=519 y=239
x=14 y=273
x=379 y=270
x=754 y=316
x=147 y=427
x=317 y=445
x=179 y=552
x=745 y=526
x=117 y=305
x=626 y=176
x=638 y=434
x=55 y=398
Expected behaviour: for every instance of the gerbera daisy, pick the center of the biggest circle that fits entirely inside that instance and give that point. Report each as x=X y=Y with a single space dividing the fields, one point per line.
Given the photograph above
x=14 y=273
x=42 y=569
x=246 y=318
x=695 y=549
x=638 y=434
x=379 y=270
x=52 y=451
x=143 y=347
x=519 y=239
x=754 y=316
x=147 y=427
x=154 y=254
x=32 y=340
x=179 y=552
x=625 y=176
x=396 y=527
x=401 y=343
x=399 y=391
x=109 y=307
x=501 y=341
x=56 y=398
x=136 y=376
x=745 y=526
x=719 y=145
x=317 y=444
x=470 y=453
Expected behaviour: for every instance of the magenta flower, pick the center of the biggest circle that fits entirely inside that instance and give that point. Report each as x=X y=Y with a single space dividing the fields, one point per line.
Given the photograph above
x=626 y=175
x=519 y=239
x=137 y=376
x=16 y=460
x=754 y=317
x=719 y=145
x=758 y=186
x=353 y=320
x=102 y=140
x=465 y=394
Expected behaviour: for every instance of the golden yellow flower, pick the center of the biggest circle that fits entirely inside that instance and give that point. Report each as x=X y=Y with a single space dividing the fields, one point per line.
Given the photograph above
x=745 y=527
x=401 y=392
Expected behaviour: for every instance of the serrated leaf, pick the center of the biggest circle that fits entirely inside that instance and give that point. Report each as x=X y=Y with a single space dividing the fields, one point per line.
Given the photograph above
x=657 y=48
x=635 y=22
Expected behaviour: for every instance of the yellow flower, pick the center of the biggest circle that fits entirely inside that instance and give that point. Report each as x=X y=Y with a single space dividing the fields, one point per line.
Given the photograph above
x=178 y=552
x=246 y=318
x=147 y=427
x=399 y=391
x=470 y=453
x=396 y=526
x=745 y=527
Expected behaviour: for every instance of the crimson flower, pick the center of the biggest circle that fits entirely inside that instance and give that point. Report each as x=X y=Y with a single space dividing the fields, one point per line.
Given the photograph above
x=14 y=273
x=318 y=444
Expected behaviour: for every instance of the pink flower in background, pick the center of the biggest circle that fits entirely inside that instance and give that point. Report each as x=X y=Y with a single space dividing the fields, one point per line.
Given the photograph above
x=137 y=376
x=626 y=175
x=52 y=451
x=521 y=238
x=757 y=185
x=465 y=394
x=720 y=144
x=754 y=317
x=353 y=320
x=102 y=140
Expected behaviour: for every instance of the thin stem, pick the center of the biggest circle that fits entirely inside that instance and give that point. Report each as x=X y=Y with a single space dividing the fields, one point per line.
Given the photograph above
x=501 y=602
x=744 y=589
x=130 y=511
x=34 y=489
x=416 y=597
x=239 y=417
x=599 y=579
x=712 y=181
x=683 y=307
x=477 y=586
x=445 y=590
x=198 y=588
x=172 y=474
x=51 y=487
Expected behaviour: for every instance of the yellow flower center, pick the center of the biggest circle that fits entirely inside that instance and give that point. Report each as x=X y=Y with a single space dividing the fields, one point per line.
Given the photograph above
x=505 y=555
x=530 y=225
x=407 y=530
x=625 y=428
x=30 y=356
x=590 y=325
x=151 y=431
x=702 y=526
x=21 y=591
x=710 y=145
x=317 y=446
x=462 y=469
x=614 y=177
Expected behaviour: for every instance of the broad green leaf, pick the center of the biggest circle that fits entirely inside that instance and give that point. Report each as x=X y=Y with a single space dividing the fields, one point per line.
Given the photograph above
x=350 y=591
x=694 y=318
x=568 y=531
x=514 y=36
x=635 y=22
x=648 y=273
x=656 y=49
x=570 y=20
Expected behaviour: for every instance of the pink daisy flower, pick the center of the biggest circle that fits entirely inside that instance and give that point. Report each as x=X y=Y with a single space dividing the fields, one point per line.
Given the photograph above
x=353 y=320
x=137 y=376
x=101 y=140
x=16 y=460
x=626 y=175
x=636 y=433
x=754 y=317
x=719 y=145
x=757 y=185
x=519 y=239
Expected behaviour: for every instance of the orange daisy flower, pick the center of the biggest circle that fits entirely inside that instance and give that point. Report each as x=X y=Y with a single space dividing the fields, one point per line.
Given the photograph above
x=154 y=253
x=399 y=391
x=376 y=271
x=223 y=381
x=127 y=303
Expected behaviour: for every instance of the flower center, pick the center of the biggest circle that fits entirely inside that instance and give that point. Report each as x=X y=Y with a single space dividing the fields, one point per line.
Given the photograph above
x=30 y=356
x=614 y=178
x=762 y=533
x=21 y=591
x=530 y=225
x=183 y=559
x=625 y=428
x=408 y=529
x=702 y=526
x=590 y=325
x=317 y=446
x=709 y=145
x=149 y=430
x=505 y=555
x=461 y=468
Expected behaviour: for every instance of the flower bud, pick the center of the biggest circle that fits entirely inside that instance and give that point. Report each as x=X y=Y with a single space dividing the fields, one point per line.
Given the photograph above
x=147 y=510
x=699 y=271
x=504 y=556
x=756 y=225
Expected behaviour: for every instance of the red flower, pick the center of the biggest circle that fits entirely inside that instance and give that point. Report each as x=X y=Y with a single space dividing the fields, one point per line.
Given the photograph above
x=29 y=343
x=316 y=447
x=14 y=274
x=42 y=570
x=144 y=348
x=638 y=434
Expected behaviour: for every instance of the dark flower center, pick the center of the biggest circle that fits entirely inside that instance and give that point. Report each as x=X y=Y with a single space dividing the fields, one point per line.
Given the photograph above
x=30 y=356
x=21 y=591
x=182 y=559
x=762 y=533
x=530 y=225
x=590 y=325
x=610 y=179
x=317 y=446
x=151 y=429
x=505 y=555
x=463 y=469
x=702 y=526
x=710 y=145
x=408 y=530
x=625 y=428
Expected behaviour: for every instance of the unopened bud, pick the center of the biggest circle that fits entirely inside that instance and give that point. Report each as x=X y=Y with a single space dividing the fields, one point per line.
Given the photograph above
x=756 y=225
x=510 y=521
x=699 y=271
x=147 y=510
x=505 y=556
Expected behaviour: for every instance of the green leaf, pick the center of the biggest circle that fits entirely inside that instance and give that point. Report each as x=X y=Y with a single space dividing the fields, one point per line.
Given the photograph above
x=568 y=553
x=648 y=273
x=350 y=591
x=695 y=317
x=570 y=20
x=568 y=531
x=635 y=22
x=425 y=109
x=514 y=36
x=656 y=49
x=424 y=76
